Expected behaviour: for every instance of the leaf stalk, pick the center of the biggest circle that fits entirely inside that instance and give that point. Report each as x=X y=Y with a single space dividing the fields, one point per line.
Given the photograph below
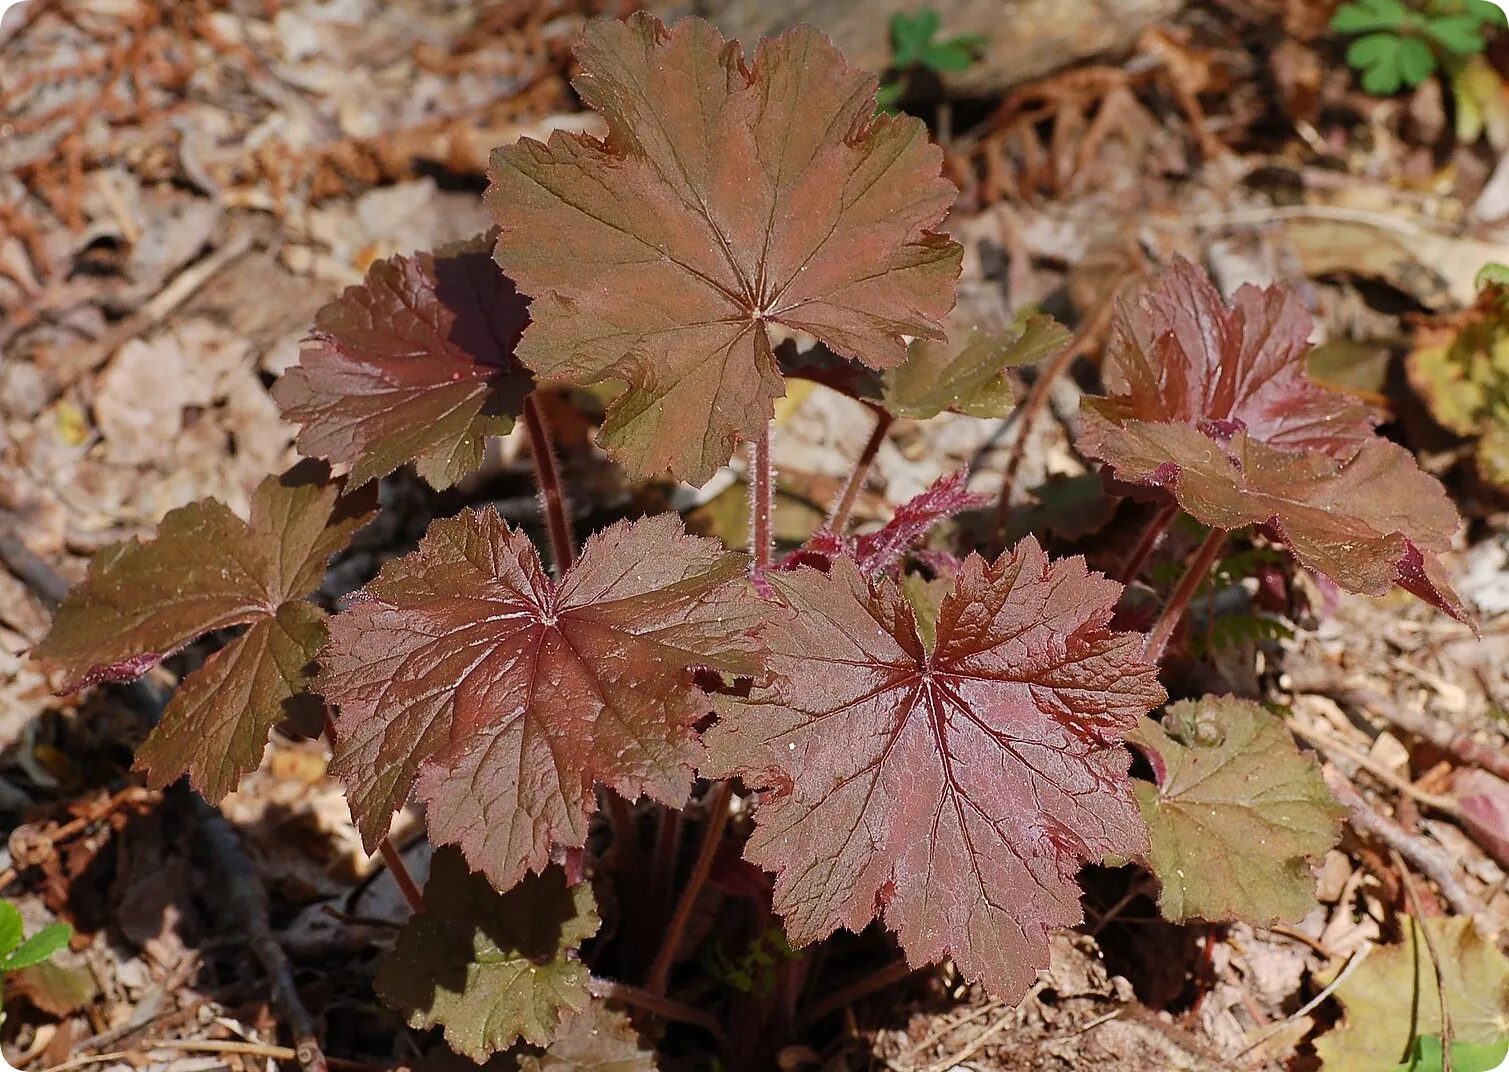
x=1178 y=603
x=1148 y=543
x=720 y=796
x=761 y=484
x=400 y=871
x=1037 y=398
x=548 y=478
x=839 y=515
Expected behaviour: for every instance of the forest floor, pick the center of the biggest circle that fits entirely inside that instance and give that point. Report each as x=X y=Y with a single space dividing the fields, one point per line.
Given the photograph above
x=183 y=183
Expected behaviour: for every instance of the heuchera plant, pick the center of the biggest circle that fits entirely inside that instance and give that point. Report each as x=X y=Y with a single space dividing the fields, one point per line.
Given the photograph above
x=933 y=742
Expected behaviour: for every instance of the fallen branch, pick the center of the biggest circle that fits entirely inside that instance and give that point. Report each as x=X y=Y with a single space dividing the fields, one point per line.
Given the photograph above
x=247 y=901
x=1437 y=731
x=1427 y=859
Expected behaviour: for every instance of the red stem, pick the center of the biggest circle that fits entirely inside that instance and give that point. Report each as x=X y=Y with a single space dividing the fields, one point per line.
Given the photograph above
x=761 y=482
x=655 y=1003
x=400 y=871
x=719 y=798
x=839 y=515
x=548 y=476
x=662 y=880
x=1150 y=537
x=625 y=834
x=390 y=854
x=1173 y=610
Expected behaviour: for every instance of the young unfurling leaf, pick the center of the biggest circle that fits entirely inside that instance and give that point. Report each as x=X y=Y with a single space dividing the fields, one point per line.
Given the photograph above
x=1178 y=353
x=491 y=967
x=414 y=364
x=726 y=199
x=956 y=790
x=882 y=550
x=207 y=570
x=505 y=694
x=1213 y=404
x=1237 y=813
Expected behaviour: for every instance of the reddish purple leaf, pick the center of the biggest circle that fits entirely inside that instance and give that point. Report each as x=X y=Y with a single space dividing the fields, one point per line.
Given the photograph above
x=207 y=570
x=414 y=364
x=1368 y=523
x=1178 y=353
x=880 y=551
x=1213 y=404
x=956 y=790
x=947 y=497
x=505 y=695
x=725 y=199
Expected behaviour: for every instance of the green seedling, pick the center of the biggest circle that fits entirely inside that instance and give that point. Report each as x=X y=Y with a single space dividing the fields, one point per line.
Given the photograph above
x=1398 y=46
x=915 y=46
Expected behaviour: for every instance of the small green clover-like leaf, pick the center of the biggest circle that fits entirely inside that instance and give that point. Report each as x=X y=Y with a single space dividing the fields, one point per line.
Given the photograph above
x=1392 y=998
x=1426 y=1055
x=967 y=374
x=1365 y=16
x=954 y=55
x=911 y=35
x=1389 y=61
x=208 y=570
x=36 y=949
x=888 y=96
x=489 y=967
x=913 y=44
x=1237 y=815
x=597 y=1039
x=1461 y=35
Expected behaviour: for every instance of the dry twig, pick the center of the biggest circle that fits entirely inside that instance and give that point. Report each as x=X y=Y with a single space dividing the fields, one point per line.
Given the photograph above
x=1439 y=732
x=79 y=363
x=1429 y=860
x=1325 y=743
x=1304 y=1010
x=247 y=899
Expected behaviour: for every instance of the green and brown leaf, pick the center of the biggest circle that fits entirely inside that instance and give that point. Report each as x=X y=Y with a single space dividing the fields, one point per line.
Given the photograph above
x=206 y=569
x=1237 y=816
x=491 y=968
